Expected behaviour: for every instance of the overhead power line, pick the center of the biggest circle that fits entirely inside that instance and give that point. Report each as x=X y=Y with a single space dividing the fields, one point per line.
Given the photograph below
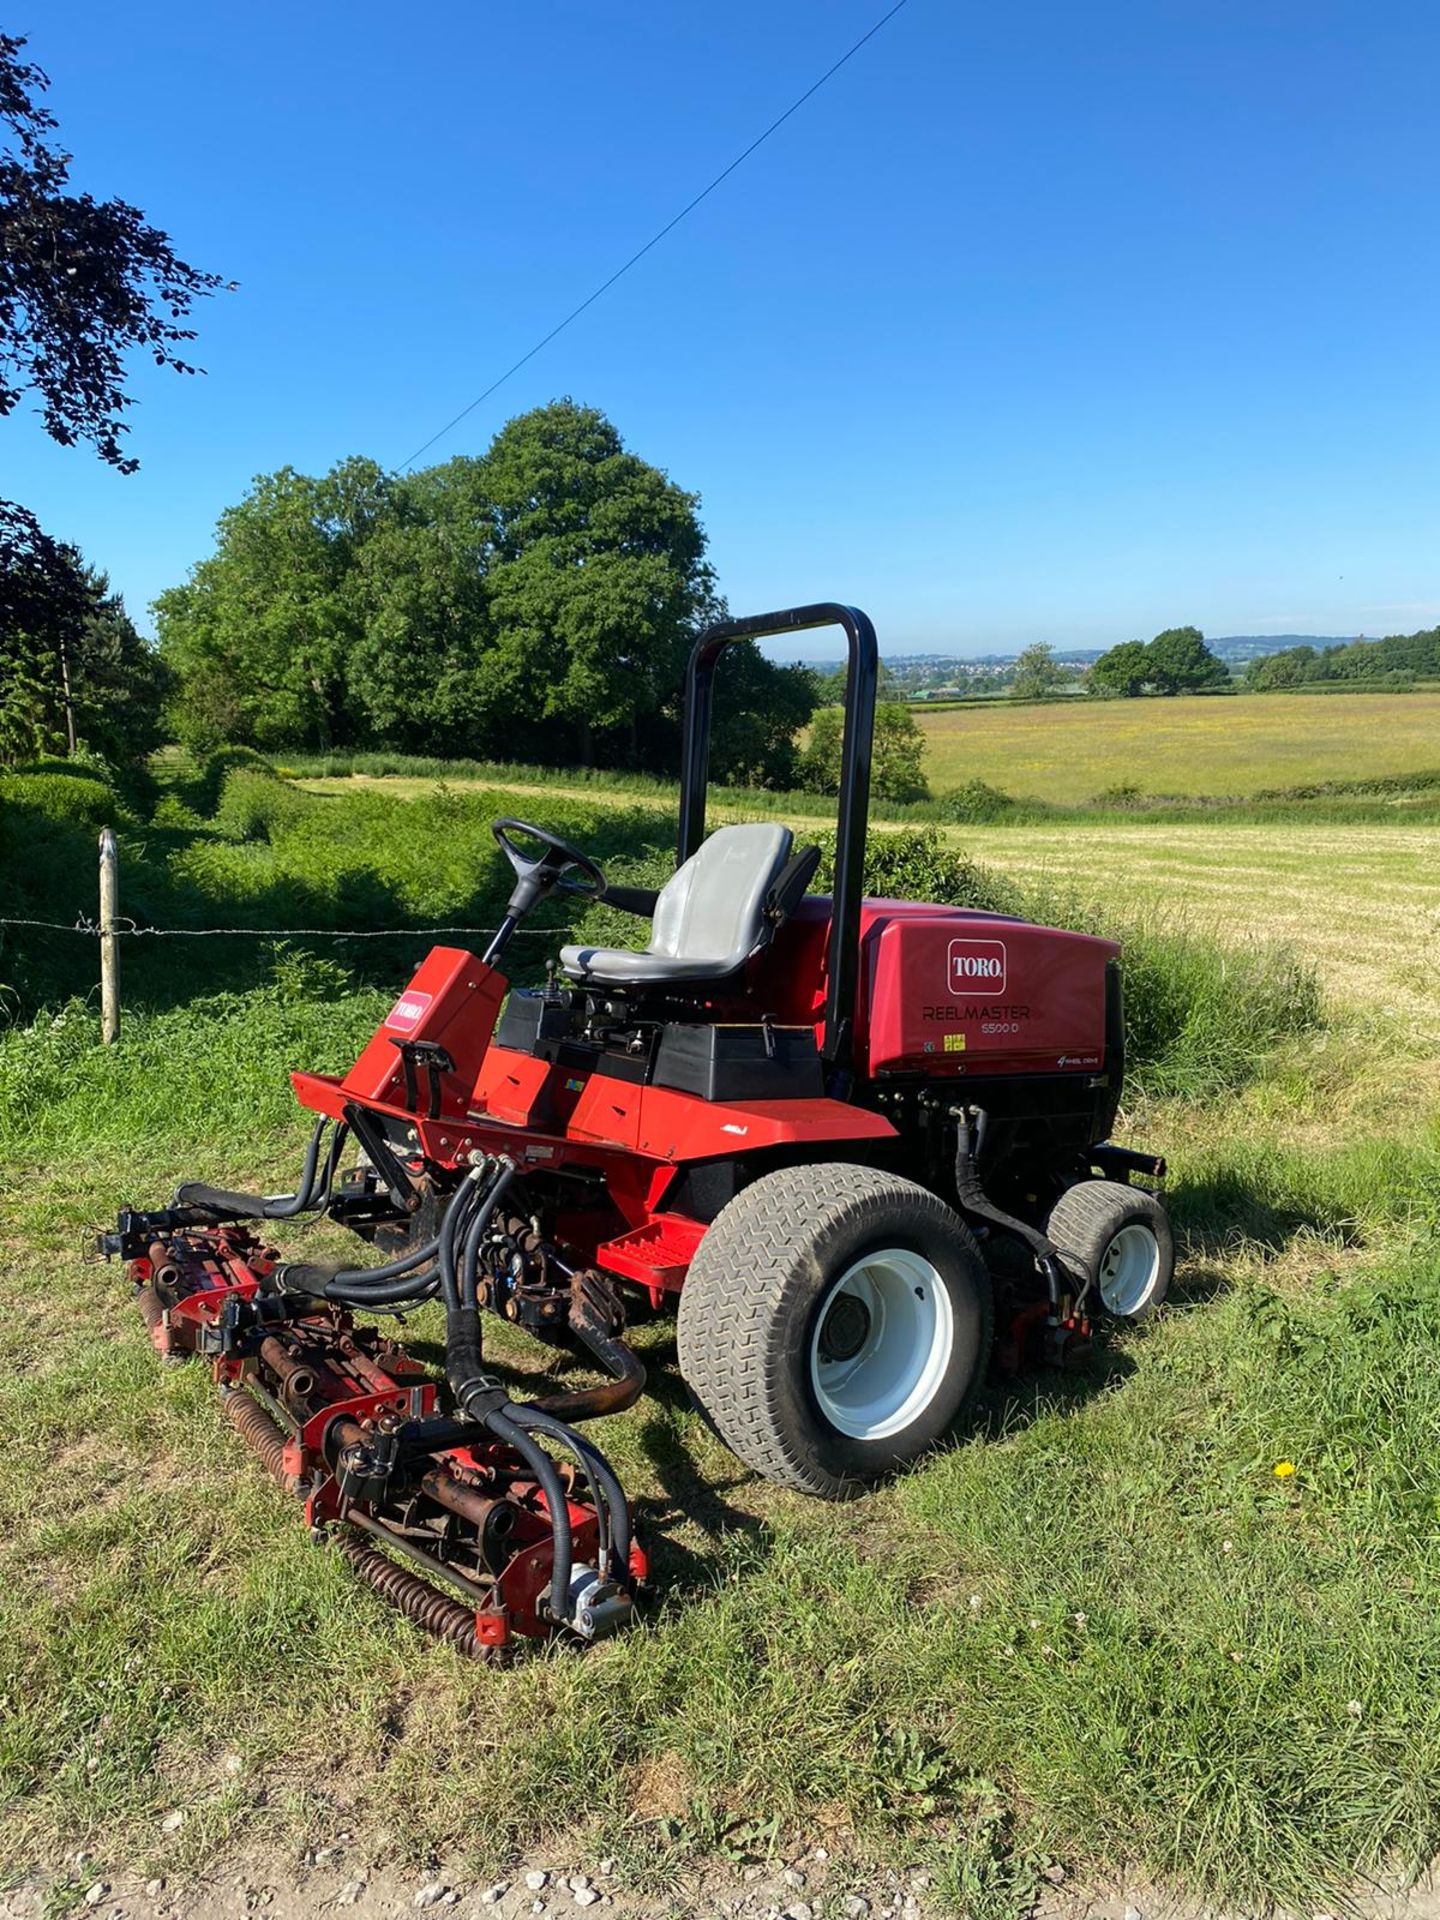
x=655 y=238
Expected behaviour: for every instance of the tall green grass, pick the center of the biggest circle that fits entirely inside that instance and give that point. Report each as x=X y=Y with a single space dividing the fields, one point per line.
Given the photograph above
x=1200 y=1015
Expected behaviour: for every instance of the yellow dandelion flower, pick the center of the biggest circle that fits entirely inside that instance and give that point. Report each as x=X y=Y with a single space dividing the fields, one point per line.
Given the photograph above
x=1284 y=1469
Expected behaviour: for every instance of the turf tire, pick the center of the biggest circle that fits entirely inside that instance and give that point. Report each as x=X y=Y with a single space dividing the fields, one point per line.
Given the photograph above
x=750 y=1307
x=1085 y=1224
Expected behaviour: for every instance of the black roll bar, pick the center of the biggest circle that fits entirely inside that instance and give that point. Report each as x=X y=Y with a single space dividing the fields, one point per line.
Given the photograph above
x=853 y=817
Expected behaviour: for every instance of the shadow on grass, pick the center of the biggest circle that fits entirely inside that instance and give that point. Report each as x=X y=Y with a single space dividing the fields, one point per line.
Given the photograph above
x=1223 y=1211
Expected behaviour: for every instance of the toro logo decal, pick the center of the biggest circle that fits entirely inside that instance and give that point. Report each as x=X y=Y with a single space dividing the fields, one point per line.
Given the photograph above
x=977 y=965
x=408 y=1011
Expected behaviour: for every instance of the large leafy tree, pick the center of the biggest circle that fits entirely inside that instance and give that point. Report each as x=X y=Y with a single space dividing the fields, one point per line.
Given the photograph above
x=598 y=578
x=1123 y=671
x=1180 y=662
x=82 y=281
x=414 y=673
x=1037 y=672
x=759 y=709
x=42 y=603
x=262 y=635
x=1175 y=661
x=74 y=671
x=1291 y=667
x=538 y=601
x=896 y=766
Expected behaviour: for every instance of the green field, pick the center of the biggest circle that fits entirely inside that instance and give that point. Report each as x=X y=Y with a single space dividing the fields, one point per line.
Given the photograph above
x=1101 y=1632
x=1188 y=745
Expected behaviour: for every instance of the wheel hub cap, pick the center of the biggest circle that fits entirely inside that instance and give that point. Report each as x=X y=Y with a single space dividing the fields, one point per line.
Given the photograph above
x=884 y=1335
x=1129 y=1269
x=845 y=1329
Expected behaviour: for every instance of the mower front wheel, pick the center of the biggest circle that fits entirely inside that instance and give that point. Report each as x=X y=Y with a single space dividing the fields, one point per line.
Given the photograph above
x=833 y=1325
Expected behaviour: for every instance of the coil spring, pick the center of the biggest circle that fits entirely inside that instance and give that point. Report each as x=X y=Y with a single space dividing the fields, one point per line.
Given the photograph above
x=416 y=1599
x=260 y=1434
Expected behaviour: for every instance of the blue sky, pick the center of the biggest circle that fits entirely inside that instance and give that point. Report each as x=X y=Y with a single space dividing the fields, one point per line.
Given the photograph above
x=1048 y=323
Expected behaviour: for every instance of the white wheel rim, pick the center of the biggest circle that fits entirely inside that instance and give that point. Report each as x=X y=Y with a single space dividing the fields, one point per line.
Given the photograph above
x=1130 y=1270
x=908 y=1336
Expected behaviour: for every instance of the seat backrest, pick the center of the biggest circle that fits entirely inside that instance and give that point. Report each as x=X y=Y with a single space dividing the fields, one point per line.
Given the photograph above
x=713 y=907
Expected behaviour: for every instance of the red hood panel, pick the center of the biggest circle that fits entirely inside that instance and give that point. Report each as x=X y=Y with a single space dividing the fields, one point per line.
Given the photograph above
x=949 y=990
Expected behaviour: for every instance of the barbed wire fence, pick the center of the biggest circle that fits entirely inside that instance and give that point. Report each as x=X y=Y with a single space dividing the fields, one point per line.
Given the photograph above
x=112 y=926
x=125 y=927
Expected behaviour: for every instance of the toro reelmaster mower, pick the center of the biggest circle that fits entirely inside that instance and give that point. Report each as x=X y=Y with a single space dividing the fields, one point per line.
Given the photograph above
x=834 y=1132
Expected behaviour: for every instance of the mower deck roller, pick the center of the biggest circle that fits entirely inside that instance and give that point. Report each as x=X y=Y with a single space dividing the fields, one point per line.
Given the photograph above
x=462 y=1521
x=862 y=1144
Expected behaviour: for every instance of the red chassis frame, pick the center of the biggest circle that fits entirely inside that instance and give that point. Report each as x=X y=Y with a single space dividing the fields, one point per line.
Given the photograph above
x=546 y=1116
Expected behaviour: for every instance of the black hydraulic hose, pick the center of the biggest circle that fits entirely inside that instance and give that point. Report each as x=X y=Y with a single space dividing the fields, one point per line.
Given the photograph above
x=464 y=1358
x=405 y=1263
x=284 y=1206
x=476 y=1394
x=604 y=1483
x=456 y=1214
x=467 y=1268
x=971 y=1194
x=399 y=1293
x=469 y=1275
x=511 y=1434
x=459 y=1283
x=254 y=1206
x=360 y=1283
x=592 y=1483
x=332 y=1164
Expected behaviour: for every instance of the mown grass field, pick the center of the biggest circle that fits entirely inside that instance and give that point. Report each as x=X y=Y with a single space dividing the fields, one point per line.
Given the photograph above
x=1238 y=744
x=1101 y=1631
x=1362 y=902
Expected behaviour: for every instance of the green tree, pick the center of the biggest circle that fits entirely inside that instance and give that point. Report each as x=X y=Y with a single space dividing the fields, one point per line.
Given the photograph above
x=81 y=281
x=414 y=673
x=1179 y=661
x=1123 y=671
x=1289 y=668
x=538 y=601
x=262 y=636
x=73 y=670
x=598 y=580
x=896 y=769
x=759 y=709
x=119 y=683
x=1037 y=672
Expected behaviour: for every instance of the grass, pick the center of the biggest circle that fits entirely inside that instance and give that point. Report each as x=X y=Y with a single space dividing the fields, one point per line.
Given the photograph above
x=1067 y=754
x=1413 y=796
x=1363 y=902
x=1103 y=1631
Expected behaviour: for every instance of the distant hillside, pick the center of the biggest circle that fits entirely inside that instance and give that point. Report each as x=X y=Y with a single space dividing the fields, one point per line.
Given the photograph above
x=1254 y=646
x=1235 y=646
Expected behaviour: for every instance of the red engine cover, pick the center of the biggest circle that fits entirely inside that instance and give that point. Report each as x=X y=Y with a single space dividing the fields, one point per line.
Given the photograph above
x=943 y=990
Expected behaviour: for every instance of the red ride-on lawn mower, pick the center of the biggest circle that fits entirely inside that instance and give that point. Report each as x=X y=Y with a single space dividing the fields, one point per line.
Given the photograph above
x=833 y=1131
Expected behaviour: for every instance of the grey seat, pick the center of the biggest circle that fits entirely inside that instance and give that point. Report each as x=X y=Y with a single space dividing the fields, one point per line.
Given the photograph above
x=710 y=916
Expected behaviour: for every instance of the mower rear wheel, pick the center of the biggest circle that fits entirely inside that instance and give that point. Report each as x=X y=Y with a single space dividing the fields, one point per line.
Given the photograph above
x=1118 y=1238
x=833 y=1325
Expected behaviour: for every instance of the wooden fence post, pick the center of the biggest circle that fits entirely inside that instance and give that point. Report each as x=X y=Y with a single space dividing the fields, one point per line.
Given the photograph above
x=109 y=940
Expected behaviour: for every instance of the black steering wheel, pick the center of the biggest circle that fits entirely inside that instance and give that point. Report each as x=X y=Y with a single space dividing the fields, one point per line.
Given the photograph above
x=561 y=865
